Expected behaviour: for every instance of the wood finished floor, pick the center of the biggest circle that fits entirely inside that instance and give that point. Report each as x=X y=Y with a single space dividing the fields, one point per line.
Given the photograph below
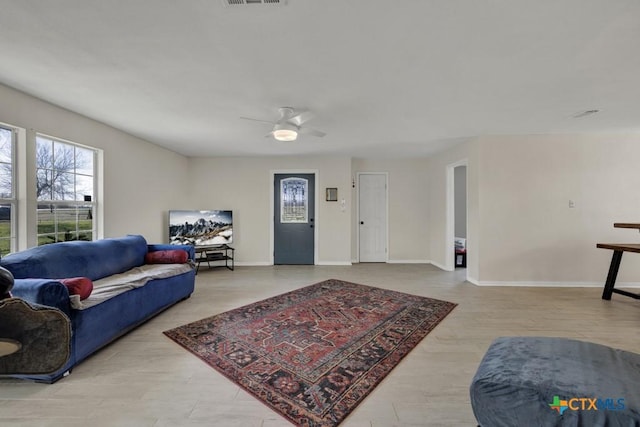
x=145 y=379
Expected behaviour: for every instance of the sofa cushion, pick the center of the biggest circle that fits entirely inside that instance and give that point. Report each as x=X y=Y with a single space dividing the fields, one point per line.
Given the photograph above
x=138 y=277
x=95 y=260
x=526 y=380
x=81 y=286
x=175 y=256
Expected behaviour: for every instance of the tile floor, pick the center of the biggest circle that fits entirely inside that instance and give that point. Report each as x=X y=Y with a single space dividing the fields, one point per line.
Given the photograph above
x=146 y=380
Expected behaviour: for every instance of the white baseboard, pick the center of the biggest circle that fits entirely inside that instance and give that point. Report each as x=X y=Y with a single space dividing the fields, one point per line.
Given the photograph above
x=473 y=281
x=252 y=263
x=408 y=261
x=400 y=261
x=333 y=263
x=554 y=284
x=266 y=263
x=440 y=266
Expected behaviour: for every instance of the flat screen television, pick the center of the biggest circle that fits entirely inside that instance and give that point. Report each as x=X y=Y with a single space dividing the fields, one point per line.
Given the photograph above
x=200 y=228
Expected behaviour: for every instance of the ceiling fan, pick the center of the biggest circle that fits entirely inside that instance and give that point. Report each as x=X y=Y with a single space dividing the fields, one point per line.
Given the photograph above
x=289 y=125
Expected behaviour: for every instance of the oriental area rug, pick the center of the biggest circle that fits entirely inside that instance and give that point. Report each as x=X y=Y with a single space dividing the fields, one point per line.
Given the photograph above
x=315 y=353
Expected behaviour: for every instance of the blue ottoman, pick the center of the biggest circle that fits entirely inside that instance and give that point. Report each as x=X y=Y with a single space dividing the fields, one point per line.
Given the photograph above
x=542 y=381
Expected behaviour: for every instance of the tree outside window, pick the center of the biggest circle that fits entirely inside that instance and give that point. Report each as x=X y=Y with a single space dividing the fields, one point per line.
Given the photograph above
x=65 y=190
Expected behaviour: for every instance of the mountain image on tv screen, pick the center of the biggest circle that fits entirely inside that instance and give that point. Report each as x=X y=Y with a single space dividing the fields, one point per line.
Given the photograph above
x=200 y=228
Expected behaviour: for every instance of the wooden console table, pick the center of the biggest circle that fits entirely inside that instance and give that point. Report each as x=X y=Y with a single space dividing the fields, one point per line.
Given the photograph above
x=213 y=254
x=635 y=225
x=618 y=249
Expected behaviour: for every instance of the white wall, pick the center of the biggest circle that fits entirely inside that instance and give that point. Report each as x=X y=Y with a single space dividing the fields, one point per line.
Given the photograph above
x=408 y=207
x=528 y=233
x=521 y=230
x=141 y=180
x=244 y=186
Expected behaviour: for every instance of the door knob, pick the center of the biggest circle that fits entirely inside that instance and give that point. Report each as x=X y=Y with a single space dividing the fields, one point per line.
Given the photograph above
x=361 y=222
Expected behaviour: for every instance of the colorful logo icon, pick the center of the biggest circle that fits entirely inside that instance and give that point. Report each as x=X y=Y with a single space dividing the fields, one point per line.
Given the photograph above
x=586 y=404
x=559 y=405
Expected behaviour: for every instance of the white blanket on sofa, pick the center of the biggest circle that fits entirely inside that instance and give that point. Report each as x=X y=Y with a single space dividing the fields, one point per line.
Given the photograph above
x=137 y=277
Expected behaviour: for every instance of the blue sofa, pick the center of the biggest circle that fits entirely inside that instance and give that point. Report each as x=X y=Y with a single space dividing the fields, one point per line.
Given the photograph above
x=35 y=271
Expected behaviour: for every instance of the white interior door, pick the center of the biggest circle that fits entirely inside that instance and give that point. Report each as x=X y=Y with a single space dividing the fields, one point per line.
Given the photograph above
x=372 y=202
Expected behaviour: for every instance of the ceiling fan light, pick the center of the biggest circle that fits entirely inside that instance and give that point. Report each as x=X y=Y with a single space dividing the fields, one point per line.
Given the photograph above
x=285 y=134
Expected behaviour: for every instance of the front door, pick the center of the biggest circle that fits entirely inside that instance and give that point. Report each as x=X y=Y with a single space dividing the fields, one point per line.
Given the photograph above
x=293 y=230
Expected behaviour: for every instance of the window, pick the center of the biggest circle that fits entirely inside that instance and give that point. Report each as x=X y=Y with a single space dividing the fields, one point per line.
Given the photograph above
x=65 y=191
x=294 y=194
x=7 y=191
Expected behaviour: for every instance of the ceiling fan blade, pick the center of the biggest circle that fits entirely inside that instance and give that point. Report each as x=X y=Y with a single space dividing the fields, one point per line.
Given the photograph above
x=257 y=120
x=300 y=117
x=314 y=132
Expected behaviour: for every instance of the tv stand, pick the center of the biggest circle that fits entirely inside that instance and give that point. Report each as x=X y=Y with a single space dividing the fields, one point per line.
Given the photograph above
x=215 y=254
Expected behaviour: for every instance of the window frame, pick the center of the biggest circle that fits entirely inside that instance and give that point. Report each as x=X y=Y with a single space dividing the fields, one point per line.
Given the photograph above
x=13 y=200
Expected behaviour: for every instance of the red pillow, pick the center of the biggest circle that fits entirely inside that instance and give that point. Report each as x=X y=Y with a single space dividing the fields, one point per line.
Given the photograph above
x=78 y=286
x=172 y=256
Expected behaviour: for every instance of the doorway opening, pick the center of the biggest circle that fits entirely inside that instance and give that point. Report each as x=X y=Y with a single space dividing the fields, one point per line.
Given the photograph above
x=460 y=216
x=456 y=232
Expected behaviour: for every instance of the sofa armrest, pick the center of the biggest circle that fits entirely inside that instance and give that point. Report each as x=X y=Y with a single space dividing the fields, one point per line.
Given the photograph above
x=47 y=292
x=166 y=247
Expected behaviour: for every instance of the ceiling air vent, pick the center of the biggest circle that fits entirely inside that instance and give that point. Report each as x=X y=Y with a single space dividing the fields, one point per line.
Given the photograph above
x=250 y=2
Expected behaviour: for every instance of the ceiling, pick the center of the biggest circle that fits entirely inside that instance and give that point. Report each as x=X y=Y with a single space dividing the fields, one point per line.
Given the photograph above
x=395 y=78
